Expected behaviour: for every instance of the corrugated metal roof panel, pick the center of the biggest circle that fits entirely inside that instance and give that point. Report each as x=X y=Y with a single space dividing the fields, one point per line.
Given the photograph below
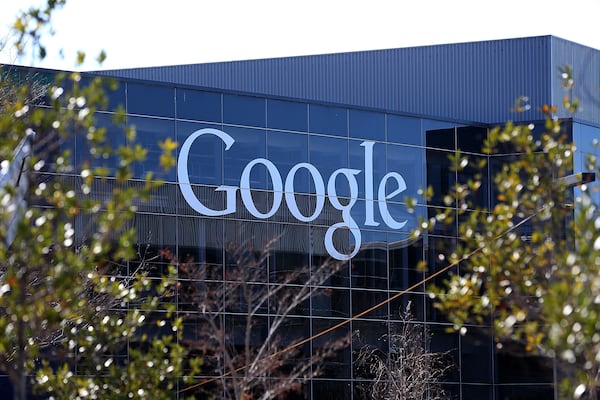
x=466 y=81
x=585 y=63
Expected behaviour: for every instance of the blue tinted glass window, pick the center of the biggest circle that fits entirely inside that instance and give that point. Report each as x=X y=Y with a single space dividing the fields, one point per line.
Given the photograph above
x=205 y=159
x=287 y=115
x=150 y=100
x=327 y=155
x=329 y=120
x=404 y=130
x=198 y=105
x=286 y=150
x=249 y=145
x=243 y=110
x=366 y=125
x=149 y=131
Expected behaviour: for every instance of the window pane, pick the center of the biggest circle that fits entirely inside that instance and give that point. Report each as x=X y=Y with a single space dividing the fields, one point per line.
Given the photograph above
x=285 y=150
x=367 y=125
x=149 y=131
x=199 y=105
x=287 y=115
x=150 y=100
x=404 y=130
x=243 y=110
x=205 y=158
x=328 y=120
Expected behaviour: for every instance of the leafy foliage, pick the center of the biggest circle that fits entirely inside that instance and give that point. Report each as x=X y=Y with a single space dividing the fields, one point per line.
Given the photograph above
x=67 y=314
x=531 y=263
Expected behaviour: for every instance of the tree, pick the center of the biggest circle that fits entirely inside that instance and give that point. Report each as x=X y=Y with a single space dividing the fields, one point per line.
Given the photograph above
x=66 y=314
x=246 y=330
x=531 y=263
x=408 y=371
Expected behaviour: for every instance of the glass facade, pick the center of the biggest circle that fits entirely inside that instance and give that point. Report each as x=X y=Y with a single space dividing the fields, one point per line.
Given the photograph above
x=325 y=182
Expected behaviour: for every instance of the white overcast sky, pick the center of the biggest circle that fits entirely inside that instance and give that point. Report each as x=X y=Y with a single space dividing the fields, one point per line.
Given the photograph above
x=157 y=32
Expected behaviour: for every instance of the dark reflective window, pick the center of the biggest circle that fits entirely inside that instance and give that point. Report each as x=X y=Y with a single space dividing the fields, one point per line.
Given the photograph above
x=470 y=138
x=525 y=392
x=404 y=258
x=444 y=341
x=249 y=145
x=287 y=115
x=440 y=175
x=331 y=390
x=415 y=302
x=339 y=365
x=476 y=392
x=200 y=246
x=290 y=251
x=404 y=130
x=515 y=365
x=476 y=352
x=320 y=257
x=366 y=125
x=149 y=131
x=198 y=105
x=363 y=300
x=369 y=266
x=243 y=110
x=150 y=100
x=439 y=135
x=329 y=120
x=331 y=302
x=368 y=337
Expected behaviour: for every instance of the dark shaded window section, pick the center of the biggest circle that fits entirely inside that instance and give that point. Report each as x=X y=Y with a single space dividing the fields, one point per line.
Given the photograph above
x=439 y=138
x=440 y=175
x=198 y=105
x=470 y=138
